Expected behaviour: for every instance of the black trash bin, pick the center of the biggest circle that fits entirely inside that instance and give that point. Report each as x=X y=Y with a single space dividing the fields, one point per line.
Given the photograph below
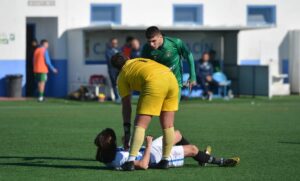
x=14 y=85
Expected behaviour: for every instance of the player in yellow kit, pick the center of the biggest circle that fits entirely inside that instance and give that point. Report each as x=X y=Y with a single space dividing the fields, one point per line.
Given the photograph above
x=158 y=89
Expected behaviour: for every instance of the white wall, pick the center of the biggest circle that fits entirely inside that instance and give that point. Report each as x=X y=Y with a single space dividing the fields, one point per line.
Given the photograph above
x=265 y=44
x=12 y=23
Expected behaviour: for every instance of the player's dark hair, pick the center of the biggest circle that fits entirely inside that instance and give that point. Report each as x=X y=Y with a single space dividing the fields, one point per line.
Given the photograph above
x=129 y=39
x=107 y=145
x=118 y=60
x=205 y=53
x=43 y=41
x=152 y=31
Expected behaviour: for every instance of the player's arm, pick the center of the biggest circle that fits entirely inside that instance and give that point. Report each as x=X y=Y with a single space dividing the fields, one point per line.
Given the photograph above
x=144 y=162
x=187 y=54
x=126 y=113
x=48 y=62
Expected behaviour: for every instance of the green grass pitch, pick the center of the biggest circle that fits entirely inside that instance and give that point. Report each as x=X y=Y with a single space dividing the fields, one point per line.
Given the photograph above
x=54 y=140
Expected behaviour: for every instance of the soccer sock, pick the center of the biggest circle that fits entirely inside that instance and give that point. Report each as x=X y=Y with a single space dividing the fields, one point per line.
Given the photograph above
x=41 y=94
x=168 y=142
x=137 y=142
x=183 y=141
x=216 y=161
x=202 y=157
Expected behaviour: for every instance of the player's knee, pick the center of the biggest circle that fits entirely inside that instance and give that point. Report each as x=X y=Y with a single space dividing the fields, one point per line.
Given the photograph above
x=194 y=149
x=178 y=135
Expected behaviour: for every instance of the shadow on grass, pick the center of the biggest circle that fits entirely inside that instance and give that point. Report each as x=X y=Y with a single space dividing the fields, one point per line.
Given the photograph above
x=289 y=142
x=28 y=158
x=56 y=166
x=37 y=162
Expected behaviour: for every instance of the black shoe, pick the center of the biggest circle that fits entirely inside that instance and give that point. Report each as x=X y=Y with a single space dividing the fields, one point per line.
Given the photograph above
x=208 y=151
x=128 y=166
x=230 y=162
x=163 y=164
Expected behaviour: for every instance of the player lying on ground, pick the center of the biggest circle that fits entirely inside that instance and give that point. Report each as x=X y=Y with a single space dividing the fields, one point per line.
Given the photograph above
x=114 y=157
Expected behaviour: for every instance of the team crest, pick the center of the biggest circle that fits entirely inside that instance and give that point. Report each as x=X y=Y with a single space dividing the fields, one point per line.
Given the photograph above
x=168 y=54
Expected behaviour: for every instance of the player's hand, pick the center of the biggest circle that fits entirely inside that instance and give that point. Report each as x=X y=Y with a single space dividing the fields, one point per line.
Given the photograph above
x=149 y=140
x=191 y=84
x=208 y=78
x=55 y=71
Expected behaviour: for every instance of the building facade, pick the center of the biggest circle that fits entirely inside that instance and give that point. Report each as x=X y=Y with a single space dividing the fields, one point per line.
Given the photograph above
x=256 y=41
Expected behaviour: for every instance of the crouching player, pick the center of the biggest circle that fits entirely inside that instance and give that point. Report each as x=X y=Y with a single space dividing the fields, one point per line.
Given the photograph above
x=114 y=157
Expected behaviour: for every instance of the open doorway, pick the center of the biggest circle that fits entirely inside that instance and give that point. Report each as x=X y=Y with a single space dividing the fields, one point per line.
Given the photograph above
x=39 y=28
x=31 y=45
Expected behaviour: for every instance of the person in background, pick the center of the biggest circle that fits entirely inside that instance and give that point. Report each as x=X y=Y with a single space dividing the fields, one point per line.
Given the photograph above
x=170 y=52
x=135 y=48
x=41 y=63
x=204 y=76
x=126 y=49
x=111 y=50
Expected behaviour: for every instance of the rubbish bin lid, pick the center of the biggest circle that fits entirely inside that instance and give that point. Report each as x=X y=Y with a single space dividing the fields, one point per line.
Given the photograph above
x=14 y=76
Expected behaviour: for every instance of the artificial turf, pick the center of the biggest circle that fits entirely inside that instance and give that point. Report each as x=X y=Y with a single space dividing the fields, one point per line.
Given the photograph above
x=54 y=140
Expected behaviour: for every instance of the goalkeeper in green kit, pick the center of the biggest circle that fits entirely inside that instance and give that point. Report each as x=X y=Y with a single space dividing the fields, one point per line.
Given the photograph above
x=169 y=52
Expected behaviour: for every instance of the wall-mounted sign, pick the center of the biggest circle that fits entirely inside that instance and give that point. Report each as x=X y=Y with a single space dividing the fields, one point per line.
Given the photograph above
x=12 y=37
x=197 y=42
x=41 y=3
x=6 y=38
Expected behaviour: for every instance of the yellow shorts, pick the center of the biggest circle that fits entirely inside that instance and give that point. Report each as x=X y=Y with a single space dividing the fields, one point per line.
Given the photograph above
x=158 y=94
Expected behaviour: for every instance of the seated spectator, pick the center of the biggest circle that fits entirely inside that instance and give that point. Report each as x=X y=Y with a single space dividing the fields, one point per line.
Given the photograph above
x=135 y=48
x=204 y=76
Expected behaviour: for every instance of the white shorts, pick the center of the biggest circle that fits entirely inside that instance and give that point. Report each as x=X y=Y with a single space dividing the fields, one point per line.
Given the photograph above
x=176 y=158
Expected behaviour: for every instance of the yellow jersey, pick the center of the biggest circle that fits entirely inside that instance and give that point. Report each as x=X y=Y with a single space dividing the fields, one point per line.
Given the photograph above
x=137 y=72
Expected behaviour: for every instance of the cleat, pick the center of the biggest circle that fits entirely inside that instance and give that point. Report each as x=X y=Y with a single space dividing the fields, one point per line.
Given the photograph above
x=41 y=99
x=208 y=151
x=128 y=166
x=230 y=162
x=163 y=164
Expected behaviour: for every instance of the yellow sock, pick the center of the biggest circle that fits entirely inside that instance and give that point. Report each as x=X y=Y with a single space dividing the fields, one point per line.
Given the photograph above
x=137 y=141
x=168 y=141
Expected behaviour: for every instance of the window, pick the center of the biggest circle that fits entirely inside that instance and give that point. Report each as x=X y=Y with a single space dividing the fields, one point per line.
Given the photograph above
x=106 y=13
x=188 y=14
x=261 y=15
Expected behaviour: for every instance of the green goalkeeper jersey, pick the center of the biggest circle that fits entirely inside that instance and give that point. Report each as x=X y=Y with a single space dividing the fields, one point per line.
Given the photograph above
x=170 y=54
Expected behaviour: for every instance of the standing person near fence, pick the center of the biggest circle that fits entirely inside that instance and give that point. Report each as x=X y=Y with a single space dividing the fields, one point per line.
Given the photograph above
x=135 y=48
x=41 y=63
x=111 y=50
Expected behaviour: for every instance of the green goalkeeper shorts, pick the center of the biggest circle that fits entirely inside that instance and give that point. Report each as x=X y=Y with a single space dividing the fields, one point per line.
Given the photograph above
x=41 y=77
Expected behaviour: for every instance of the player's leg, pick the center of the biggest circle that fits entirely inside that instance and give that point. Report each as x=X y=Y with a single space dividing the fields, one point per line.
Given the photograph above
x=183 y=141
x=141 y=124
x=167 y=124
x=178 y=137
x=42 y=78
x=148 y=105
x=202 y=157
